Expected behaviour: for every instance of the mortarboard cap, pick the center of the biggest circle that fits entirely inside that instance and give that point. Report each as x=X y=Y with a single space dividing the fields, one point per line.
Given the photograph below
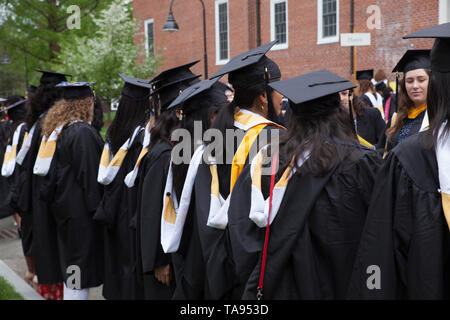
x=364 y=74
x=245 y=59
x=75 y=90
x=174 y=75
x=50 y=77
x=135 y=88
x=209 y=89
x=413 y=60
x=311 y=86
x=14 y=105
x=170 y=92
x=439 y=55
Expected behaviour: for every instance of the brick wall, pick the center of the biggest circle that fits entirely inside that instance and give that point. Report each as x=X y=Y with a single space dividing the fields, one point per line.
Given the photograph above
x=304 y=54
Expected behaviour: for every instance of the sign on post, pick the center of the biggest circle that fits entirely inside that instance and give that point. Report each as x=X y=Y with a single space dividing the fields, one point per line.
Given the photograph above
x=355 y=39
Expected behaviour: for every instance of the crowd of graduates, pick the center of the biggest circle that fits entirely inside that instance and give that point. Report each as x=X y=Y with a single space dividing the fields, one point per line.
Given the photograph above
x=323 y=190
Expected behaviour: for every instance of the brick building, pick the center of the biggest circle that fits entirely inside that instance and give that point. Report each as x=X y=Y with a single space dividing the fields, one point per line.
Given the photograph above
x=308 y=31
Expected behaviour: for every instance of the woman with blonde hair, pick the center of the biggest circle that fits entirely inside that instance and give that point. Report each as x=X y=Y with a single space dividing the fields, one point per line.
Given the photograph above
x=68 y=160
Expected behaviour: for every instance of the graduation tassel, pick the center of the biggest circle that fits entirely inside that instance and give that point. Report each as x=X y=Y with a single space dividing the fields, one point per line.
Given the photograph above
x=396 y=86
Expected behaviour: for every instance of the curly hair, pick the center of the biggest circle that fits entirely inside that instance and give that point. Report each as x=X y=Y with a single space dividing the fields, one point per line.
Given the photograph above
x=44 y=98
x=404 y=105
x=66 y=111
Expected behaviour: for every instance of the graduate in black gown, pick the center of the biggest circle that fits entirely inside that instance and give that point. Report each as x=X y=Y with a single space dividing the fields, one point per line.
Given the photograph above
x=321 y=191
x=155 y=267
x=71 y=188
x=411 y=116
x=250 y=114
x=38 y=227
x=197 y=105
x=405 y=246
x=14 y=139
x=117 y=208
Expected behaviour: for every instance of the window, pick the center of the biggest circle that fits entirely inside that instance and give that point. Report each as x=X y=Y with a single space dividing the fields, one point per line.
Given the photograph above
x=279 y=23
x=149 y=37
x=222 y=35
x=444 y=11
x=328 y=21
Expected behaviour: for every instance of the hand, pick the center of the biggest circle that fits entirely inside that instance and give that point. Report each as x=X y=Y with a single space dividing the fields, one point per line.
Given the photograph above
x=163 y=274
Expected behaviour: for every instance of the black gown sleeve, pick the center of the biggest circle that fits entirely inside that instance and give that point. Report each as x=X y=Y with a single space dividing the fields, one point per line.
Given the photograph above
x=405 y=239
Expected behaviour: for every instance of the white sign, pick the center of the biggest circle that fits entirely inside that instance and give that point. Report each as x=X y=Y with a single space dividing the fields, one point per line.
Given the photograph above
x=355 y=39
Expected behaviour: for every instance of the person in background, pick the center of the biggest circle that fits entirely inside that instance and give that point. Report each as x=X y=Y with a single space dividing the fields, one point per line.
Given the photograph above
x=366 y=91
x=10 y=171
x=381 y=85
x=411 y=116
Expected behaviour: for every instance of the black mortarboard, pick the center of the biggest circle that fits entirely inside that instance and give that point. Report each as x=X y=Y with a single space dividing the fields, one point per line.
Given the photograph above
x=413 y=60
x=170 y=92
x=245 y=59
x=440 y=54
x=174 y=75
x=14 y=105
x=75 y=90
x=135 y=88
x=50 y=77
x=311 y=86
x=364 y=74
x=209 y=89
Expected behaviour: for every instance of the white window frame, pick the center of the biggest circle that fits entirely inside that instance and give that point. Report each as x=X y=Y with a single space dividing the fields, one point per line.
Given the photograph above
x=444 y=11
x=218 y=60
x=146 y=22
x=280 y=46
x=320 y=38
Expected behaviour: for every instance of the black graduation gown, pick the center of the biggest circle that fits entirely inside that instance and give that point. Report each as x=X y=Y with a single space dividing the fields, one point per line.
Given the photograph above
x=116 y=211
x=5 y=208
x=414 y=127
x=371 y=125
x=315 y=235
x=38 y=221
x=214 y=278
x=74 y=195
x=405 y=234
x=150 y=255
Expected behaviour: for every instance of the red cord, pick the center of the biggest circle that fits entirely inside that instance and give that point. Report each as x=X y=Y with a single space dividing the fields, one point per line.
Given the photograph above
x=266 y=240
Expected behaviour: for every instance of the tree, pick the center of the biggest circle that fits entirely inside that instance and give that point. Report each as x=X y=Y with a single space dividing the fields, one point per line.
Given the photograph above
x=110 y=50
x=37 y=28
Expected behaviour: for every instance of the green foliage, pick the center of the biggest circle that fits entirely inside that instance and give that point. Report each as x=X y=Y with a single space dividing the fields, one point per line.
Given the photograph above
x=108 y=51
x=7 y=292
x=37 y=29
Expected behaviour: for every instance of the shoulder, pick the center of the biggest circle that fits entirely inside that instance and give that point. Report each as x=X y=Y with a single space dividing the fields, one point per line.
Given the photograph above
x=80 y=131
x=417 y=161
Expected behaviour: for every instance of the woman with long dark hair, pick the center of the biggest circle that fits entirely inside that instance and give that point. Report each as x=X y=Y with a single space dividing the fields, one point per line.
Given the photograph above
x=155 y=267
x=36 y=223
x=67 y=160
x=117 y=208
x=411 y=116
x=182 y=237
x=405 y=245
x=306 y=202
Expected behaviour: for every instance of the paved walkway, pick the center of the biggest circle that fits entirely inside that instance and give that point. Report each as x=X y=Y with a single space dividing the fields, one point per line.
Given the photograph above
x=11 y=253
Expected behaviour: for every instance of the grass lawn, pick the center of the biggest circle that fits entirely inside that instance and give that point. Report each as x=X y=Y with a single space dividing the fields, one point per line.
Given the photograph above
x=7 y=292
